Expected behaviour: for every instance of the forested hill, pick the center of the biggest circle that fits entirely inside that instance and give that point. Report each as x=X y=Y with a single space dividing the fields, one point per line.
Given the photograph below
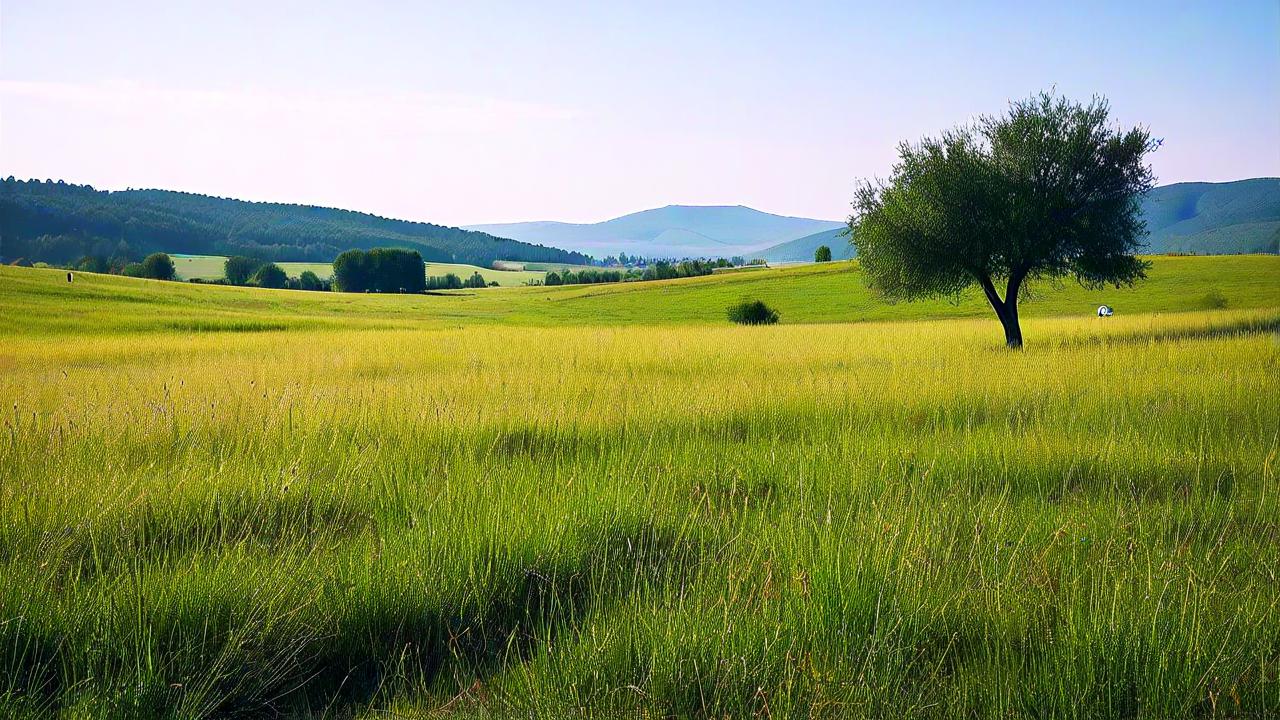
x=57 y=222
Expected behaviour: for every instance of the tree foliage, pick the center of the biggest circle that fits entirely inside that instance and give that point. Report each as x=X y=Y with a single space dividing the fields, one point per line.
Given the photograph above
x=822 y=254
x=1048 y=190
x=310 y=281
x=59 y=222
x=384 y=270
x=239 y=269
x=270 y=275
x=158 y=266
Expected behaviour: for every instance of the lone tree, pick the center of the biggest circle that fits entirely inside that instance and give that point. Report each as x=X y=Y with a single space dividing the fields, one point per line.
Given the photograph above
x=822 y=254
x=158 y=266
x=270 y=275
x=1047 y=190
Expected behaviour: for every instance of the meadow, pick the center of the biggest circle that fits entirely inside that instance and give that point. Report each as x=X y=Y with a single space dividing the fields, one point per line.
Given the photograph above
x=607 y=501
x=210 y=267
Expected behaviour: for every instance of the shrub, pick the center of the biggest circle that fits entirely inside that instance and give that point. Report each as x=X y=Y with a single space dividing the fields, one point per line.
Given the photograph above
x=753 y=312
x=822 y=254
x=1215 y=300
x=158 y=266
x=133 y=270
x=475 y=281
x=270 y=276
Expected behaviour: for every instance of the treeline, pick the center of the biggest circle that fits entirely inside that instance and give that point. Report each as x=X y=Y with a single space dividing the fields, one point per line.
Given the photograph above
x=661 y=270
x=244 y=270
x=59 y=223
x=450 y=281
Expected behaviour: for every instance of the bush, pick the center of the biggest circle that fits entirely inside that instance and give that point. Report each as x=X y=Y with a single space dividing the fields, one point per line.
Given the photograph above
x=158 y=266
x=822 y=254
x=475 y=281
x=270 y=276
x=133 y=270
x=753 y=312
x=238 y=269
x=1215 y=300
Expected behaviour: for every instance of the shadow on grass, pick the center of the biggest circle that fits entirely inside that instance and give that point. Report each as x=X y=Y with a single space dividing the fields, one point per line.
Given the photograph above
x=223 y=662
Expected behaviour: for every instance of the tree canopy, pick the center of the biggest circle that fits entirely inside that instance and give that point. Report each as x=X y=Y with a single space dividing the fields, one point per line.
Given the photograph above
x=385 y=270
x=270 y=275
x=822 y=254
x=239 y=270
x=158 y=266
x=1048 y=190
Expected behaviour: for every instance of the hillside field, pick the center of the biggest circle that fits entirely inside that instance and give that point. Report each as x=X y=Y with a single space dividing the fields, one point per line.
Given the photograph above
x=210 y=267
x=608 y=502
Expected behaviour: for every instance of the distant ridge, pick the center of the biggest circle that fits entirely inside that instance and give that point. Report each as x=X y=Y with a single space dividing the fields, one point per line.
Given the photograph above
x=671 y=231
x=1201 y=218
x=59 y=222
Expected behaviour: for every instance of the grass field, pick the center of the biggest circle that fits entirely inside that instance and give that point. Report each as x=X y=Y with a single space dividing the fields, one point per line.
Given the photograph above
x=606 y=501
x=209 y=267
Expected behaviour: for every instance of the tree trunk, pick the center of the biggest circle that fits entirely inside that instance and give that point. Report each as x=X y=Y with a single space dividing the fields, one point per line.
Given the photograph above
x=1012 y=330
x=1006 y=308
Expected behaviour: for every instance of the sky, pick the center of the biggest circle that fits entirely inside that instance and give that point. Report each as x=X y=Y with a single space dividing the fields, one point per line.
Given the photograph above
x=470 y=112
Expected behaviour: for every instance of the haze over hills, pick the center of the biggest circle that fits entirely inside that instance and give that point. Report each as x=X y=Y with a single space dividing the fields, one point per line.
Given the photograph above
x=1199 y=218
x=58 y=222
x=671 y=231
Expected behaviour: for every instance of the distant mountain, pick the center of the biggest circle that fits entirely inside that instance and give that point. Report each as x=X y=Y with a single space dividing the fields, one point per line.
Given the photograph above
x=60 y=223
x=1228 y=218
x=1214 y=218
x=802 y=249
x=672 y=231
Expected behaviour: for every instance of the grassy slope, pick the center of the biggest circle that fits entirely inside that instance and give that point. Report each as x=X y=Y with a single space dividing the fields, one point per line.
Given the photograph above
x=350 y=503
x=209 y=267
x=806 y=294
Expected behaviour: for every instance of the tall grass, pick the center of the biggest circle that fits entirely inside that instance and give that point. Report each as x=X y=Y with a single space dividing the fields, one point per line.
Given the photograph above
x=875 y=520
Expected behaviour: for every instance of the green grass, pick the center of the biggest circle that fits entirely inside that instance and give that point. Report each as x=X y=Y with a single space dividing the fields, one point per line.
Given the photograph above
x=830 y=292
x=210 y=267
x=610 y=502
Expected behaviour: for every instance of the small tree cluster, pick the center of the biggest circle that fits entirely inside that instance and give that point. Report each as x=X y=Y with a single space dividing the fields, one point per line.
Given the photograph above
x=383 y=270
x=239 y=269
x=822 y=254
x=448 y=281
x=156 y=266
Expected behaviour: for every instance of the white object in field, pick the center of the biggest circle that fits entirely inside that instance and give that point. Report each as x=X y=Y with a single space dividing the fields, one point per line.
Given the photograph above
x=1105 y=311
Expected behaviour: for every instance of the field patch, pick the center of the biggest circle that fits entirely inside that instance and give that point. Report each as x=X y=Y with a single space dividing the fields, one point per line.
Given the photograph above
x=221 y=501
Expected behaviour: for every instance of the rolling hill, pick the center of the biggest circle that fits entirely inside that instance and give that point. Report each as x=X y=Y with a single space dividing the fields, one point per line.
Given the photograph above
x=59 y=223
x=1198 y=218
x=672 y=231
x=1214 y=218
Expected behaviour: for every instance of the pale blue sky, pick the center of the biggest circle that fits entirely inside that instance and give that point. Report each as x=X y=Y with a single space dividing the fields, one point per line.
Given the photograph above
x=467 y=112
